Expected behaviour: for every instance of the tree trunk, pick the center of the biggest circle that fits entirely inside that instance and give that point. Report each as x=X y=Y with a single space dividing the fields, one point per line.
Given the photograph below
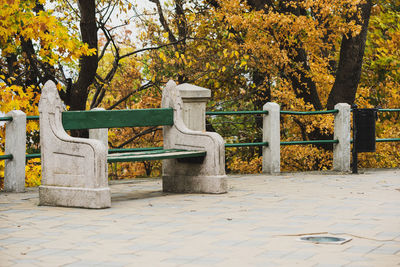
x=88 y=64
x=350 y=62
x=78 y=93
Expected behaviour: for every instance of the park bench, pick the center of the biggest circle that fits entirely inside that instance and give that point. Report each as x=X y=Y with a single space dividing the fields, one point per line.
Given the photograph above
x=74 y=170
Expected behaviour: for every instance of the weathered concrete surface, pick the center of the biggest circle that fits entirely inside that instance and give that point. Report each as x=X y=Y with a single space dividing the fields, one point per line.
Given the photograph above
x=99 y=134
x=341 y=151
x=73 y=169
x=256 y=224
x=271 y=133
x=14 y=169
x=194 y=100
x=207 y=176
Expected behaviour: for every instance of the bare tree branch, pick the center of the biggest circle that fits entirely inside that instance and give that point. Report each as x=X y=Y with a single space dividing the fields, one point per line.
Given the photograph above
x=77 y=13
x=163 y=22
x=143 y=87
x=147 y=131
x=150 y=48
x=103 y=51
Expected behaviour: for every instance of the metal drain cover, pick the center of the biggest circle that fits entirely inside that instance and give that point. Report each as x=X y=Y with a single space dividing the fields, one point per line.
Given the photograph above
x=325 y=239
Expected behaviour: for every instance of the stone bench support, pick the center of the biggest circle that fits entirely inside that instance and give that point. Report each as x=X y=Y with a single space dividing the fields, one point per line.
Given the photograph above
x=14 y=170
x=73 y=169
x=186 y=176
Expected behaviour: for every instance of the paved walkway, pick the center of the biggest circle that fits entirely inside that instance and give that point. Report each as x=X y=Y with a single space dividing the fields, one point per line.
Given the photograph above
x=258 y=223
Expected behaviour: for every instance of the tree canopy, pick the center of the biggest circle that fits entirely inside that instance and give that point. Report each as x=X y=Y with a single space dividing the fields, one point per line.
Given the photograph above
x=304 y=55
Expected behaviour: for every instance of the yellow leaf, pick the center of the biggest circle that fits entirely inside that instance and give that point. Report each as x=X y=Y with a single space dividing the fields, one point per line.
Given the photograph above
x=162 y=56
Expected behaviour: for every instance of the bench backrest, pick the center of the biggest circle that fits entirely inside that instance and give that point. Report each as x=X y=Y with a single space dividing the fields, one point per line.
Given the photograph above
x=95 y=119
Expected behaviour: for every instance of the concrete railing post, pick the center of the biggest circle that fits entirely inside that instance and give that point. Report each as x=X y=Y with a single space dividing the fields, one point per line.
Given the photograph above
x=14 y=170
x=271 y=134
x=194 y=100
x=341 y=150
x=99 y=134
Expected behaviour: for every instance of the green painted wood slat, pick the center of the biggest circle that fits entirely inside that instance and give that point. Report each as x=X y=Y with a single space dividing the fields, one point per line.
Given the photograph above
x=95 y=119
x=155 y=155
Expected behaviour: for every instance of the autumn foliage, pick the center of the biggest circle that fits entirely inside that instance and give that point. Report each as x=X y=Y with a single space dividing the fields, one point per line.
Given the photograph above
x=247 y=52
x=29 y=37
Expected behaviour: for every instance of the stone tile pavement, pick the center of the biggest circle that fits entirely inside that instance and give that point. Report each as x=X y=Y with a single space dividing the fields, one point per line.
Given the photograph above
x=258 y=223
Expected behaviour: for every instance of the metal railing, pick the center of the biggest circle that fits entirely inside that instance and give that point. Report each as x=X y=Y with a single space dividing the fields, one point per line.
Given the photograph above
x=317 y=112
x=33 y=118
x=222 y=113
x=309 y=142
x=389 y=110
x=288 y=112
x=6 y=118
x=28 y=156
x=282 y=112
x=245 y=112
x=380 y=140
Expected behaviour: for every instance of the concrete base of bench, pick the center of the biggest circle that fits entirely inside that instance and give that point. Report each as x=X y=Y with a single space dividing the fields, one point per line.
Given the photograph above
x=92 y=198
x=195 y=184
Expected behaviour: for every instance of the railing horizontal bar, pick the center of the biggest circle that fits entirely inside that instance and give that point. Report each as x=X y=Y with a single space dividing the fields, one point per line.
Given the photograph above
x=7 y=156
x=247 y=144
x=388 y=140
x=309 y=112
x=27 y=118
x=237 y=112
x=309 y=142
x=32 y=118
x=32 y=156
x=118 y=150
x=389 y=110
x=6 y=118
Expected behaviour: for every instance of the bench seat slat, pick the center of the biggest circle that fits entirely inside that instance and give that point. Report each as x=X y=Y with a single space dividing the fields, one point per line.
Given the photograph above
x=155 y=155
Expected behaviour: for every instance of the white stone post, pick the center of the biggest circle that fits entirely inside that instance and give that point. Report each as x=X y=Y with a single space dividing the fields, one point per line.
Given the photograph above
x=99 y=134
x=194 y=100
x=14 y=171
x=341 y=150
x=271 y=134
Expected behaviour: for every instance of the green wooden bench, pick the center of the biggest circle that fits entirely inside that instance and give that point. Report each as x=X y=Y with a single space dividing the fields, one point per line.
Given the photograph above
x=74 y=170
x=101 y=119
